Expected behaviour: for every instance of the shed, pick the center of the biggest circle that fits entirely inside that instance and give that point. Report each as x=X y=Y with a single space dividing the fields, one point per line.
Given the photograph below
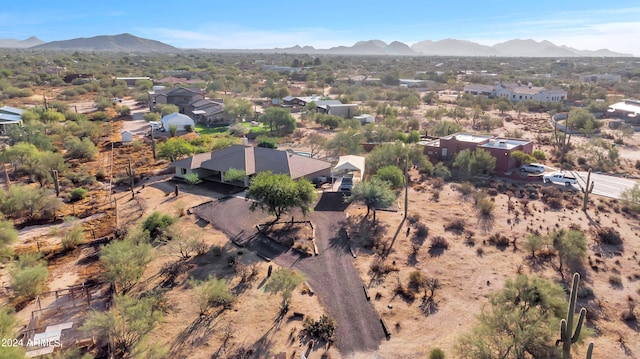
x=127 y=136
x=350 y=164
x=365 y=118
x=177 y=119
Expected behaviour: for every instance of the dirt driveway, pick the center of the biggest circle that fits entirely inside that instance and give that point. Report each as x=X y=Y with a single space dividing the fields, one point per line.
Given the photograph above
x=332 y=274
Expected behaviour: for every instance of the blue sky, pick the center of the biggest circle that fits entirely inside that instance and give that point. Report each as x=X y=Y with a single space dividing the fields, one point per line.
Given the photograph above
x=585 y=25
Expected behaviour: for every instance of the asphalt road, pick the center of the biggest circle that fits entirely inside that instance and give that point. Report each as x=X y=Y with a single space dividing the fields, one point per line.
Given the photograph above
x=605 y=185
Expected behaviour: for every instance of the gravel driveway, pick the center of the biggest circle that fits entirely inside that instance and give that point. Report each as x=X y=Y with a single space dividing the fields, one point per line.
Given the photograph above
x=331 y=274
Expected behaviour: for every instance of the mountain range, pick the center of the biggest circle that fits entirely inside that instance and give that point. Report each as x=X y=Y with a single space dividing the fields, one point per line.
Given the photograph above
x=446 y=47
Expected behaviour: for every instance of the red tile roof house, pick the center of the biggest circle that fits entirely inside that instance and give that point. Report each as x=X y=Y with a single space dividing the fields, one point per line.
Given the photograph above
x=446 y=148
x=212 y=166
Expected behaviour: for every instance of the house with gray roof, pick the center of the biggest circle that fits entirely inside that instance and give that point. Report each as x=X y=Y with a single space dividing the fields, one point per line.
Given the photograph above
x=10 y=116
x=191 y=101
x=213 y=166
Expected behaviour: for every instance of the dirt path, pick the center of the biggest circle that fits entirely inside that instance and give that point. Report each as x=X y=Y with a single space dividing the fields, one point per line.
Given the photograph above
x=332 y=274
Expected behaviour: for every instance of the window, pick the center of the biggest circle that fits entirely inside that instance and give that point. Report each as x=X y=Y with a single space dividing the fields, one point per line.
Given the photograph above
x=444 y=152
x=183 y=171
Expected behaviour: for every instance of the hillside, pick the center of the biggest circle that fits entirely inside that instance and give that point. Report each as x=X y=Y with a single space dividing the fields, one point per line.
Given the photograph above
x=115 y=43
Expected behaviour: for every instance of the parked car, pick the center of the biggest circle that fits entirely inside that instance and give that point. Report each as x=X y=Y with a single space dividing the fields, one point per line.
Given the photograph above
x=346 y=185
x=532 y=168
x=559 y=177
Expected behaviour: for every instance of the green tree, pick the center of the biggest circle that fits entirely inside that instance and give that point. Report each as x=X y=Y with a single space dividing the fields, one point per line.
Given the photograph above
x=519 y=322
x=316 y=142
x=175 y=148
x=80 y=148
x=632 y=196
x=31 y=202
x=211 y=292
x=8 y=324
x=237 y=108
x=345 y=143
x=278 y=119
x=444 y=128
x=284 y=281
x=125 y=323
x=126 y=260
x=474 y=163
x=151 y=116
x=277 y=193
x=391 y=174
x=165 y=109
x=571 y=246
x=374 y=193
x=503 y=105
x=521 y=157
x=8 y=233
x=29 y=275
x=533 y=244
x=441 y=170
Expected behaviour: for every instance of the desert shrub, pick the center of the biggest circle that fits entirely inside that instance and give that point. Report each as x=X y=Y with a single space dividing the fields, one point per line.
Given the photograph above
x=422 y=231
x=492 y=192
x=436 y=353
x=101 y=174
x=439 y=242
x=81 y=177
x=485 y=207
x=80 y=148
x=74 y=235
x=465 y=189
x=608 y=235
x=629 y=316
x=539 y=155
x=323 y=328
x=379 y=268
x=498 y=240
x=156 y=222
x=77 y=194
x=212 y=292
x=28 y=275
x=192 y=178
x=615 y=280
x=585 y=293
x=457 y=226
x=437 y=183
x=413 y=218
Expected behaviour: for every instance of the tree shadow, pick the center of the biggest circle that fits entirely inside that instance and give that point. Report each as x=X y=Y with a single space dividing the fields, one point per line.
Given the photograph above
x=198 y=332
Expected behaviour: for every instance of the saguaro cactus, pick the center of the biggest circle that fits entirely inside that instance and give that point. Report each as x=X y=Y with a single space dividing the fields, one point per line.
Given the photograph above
x=153 y=144
x=588 y=188
x=566 y=325
x=56 y=182
x=132 y=177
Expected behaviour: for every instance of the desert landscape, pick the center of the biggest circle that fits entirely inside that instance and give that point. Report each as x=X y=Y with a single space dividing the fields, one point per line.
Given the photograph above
x=406 y=282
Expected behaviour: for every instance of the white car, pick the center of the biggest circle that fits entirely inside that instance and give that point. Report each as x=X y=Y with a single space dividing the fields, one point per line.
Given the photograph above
x=532 y=168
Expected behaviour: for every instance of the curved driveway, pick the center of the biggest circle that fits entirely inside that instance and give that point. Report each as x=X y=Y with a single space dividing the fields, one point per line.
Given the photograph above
x=331 y=274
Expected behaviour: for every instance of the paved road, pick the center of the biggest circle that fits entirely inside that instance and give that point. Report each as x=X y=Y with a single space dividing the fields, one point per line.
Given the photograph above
x=605 y=185
x=332 y=274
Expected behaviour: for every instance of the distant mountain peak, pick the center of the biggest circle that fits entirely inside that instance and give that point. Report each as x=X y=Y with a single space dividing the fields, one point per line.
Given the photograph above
x=117 y=43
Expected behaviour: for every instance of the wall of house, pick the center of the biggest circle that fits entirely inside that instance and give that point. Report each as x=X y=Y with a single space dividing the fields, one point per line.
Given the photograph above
x=325 y=172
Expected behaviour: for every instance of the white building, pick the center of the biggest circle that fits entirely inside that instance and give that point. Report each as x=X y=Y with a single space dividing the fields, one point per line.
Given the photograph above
x=516 y=92
x=182 y=122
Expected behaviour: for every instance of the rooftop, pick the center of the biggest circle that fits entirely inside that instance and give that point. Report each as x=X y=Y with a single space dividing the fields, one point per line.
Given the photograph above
x=506 y=143
x=467 y=137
